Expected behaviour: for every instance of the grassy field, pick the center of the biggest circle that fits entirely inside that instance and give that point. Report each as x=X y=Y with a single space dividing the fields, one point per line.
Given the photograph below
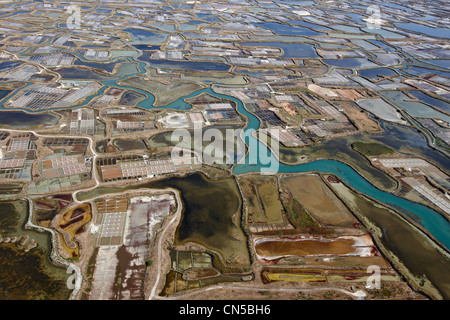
x=360 y=118
x=262 y=199
x=371 y=149
x=97 y=192
x=299 y=216
x=320 y=202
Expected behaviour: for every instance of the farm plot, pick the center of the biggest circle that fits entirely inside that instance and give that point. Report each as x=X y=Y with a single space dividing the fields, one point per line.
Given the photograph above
x=319 y=200
x=272 y=249
x=265 y=210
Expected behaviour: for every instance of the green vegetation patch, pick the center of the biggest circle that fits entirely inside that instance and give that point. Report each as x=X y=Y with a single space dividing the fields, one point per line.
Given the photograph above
x=371 y=149
x=298 y=215
x=25 y=276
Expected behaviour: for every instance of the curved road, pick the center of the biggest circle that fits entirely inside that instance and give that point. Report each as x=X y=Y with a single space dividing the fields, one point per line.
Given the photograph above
x=360 y=294
x=161 y=240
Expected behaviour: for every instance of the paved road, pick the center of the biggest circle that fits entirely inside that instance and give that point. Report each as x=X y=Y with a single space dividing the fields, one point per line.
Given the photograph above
x=161 y=240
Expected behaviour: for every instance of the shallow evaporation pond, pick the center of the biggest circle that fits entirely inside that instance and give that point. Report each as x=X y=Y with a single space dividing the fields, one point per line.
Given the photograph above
x=23 y=120
x=284 y=29
x=142 y=36
x=377 y=73
x=419 y=71
x=203 y=217
x=348 y=29
x=441 y=63
x=384 y=33
x=310 y=25
x=422 y=29
x=4 y=93
x=9 y=65
x=440 y=104
x=415 y=109
x=351 y=63
x=147 y=47
x=128 y=145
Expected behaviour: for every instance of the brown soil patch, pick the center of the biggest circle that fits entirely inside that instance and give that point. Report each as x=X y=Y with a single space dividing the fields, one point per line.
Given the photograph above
x=319 y=200
x=200 y=273
x=274 y=248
